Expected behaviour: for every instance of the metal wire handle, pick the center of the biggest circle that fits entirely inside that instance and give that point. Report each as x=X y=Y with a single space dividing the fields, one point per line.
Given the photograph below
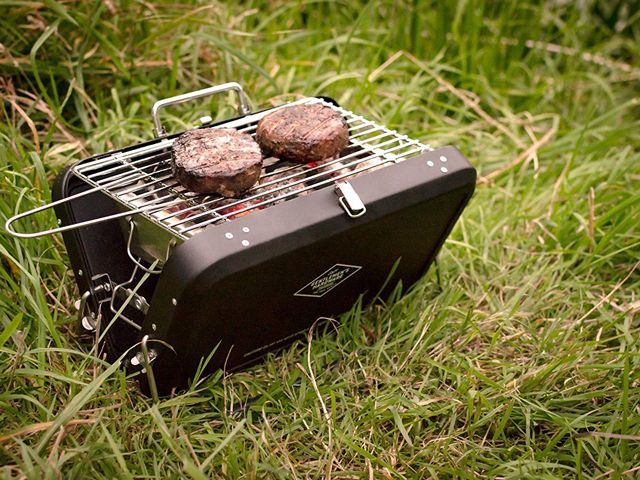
x=243 y=103
x=8 y=226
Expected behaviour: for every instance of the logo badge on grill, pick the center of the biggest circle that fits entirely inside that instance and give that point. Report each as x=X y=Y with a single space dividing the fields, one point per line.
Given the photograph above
x=327 y=281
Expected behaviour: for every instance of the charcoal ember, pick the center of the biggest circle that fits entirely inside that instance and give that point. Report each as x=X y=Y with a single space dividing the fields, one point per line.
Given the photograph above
x=332 y=167
x=212 y=160
x=303 y=133
x=371 y=165
x=235 y=209
x=181 y=210
x=189 y=211
x=279 y=178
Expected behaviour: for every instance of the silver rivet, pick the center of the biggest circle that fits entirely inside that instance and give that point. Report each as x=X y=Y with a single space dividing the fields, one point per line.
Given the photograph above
x=80 y=273
x=229 y=235
x=245 y=229
x=430 y=163
x=443 y=169
x=443 y=158
x=174 y=302
x=153 y=327
x=245 y=243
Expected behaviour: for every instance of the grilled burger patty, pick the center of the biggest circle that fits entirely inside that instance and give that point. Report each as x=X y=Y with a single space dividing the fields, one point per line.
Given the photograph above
x=303 y=133
x=216 y=160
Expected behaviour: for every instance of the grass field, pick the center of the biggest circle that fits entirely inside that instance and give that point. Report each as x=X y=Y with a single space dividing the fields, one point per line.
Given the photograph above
x=517 y=357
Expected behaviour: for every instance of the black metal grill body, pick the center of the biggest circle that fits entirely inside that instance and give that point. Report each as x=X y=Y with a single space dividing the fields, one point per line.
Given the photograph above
x=252 y=285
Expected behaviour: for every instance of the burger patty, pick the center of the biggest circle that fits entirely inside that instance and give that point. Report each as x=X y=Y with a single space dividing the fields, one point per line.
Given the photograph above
x=303 y=133
x=216 y=160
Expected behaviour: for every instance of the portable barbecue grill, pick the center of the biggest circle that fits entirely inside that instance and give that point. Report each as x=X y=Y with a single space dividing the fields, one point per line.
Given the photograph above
x=175 y=277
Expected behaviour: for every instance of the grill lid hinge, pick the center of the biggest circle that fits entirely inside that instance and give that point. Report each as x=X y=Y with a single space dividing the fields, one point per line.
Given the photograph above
x=350 y=200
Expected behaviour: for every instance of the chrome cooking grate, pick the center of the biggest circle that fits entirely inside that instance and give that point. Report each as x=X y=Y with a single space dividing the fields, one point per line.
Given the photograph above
x=141 y=179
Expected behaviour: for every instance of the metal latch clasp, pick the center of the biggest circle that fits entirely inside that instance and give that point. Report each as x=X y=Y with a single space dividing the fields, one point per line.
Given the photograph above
x=350 y=200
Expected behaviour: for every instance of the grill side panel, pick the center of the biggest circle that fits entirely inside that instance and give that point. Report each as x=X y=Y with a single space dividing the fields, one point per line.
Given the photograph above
x=254 y=285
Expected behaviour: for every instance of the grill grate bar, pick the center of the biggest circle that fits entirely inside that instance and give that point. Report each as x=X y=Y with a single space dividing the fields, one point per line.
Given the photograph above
x=338 y=165
x=130 y=190
x=293 y=194
x=298 y=182
x=123 y=164
x=218 y=216
x=141 y=178
x=118 y=157
x=151 y=160
x=120 y=181
x=165 y=182
x=134 y=178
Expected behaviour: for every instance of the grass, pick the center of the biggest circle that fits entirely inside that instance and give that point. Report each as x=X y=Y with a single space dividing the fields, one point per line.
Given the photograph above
x=517 y=357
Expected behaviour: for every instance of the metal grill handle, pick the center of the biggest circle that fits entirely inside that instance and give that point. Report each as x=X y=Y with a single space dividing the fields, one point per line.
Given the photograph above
x=8 y=226
x=243 y=103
